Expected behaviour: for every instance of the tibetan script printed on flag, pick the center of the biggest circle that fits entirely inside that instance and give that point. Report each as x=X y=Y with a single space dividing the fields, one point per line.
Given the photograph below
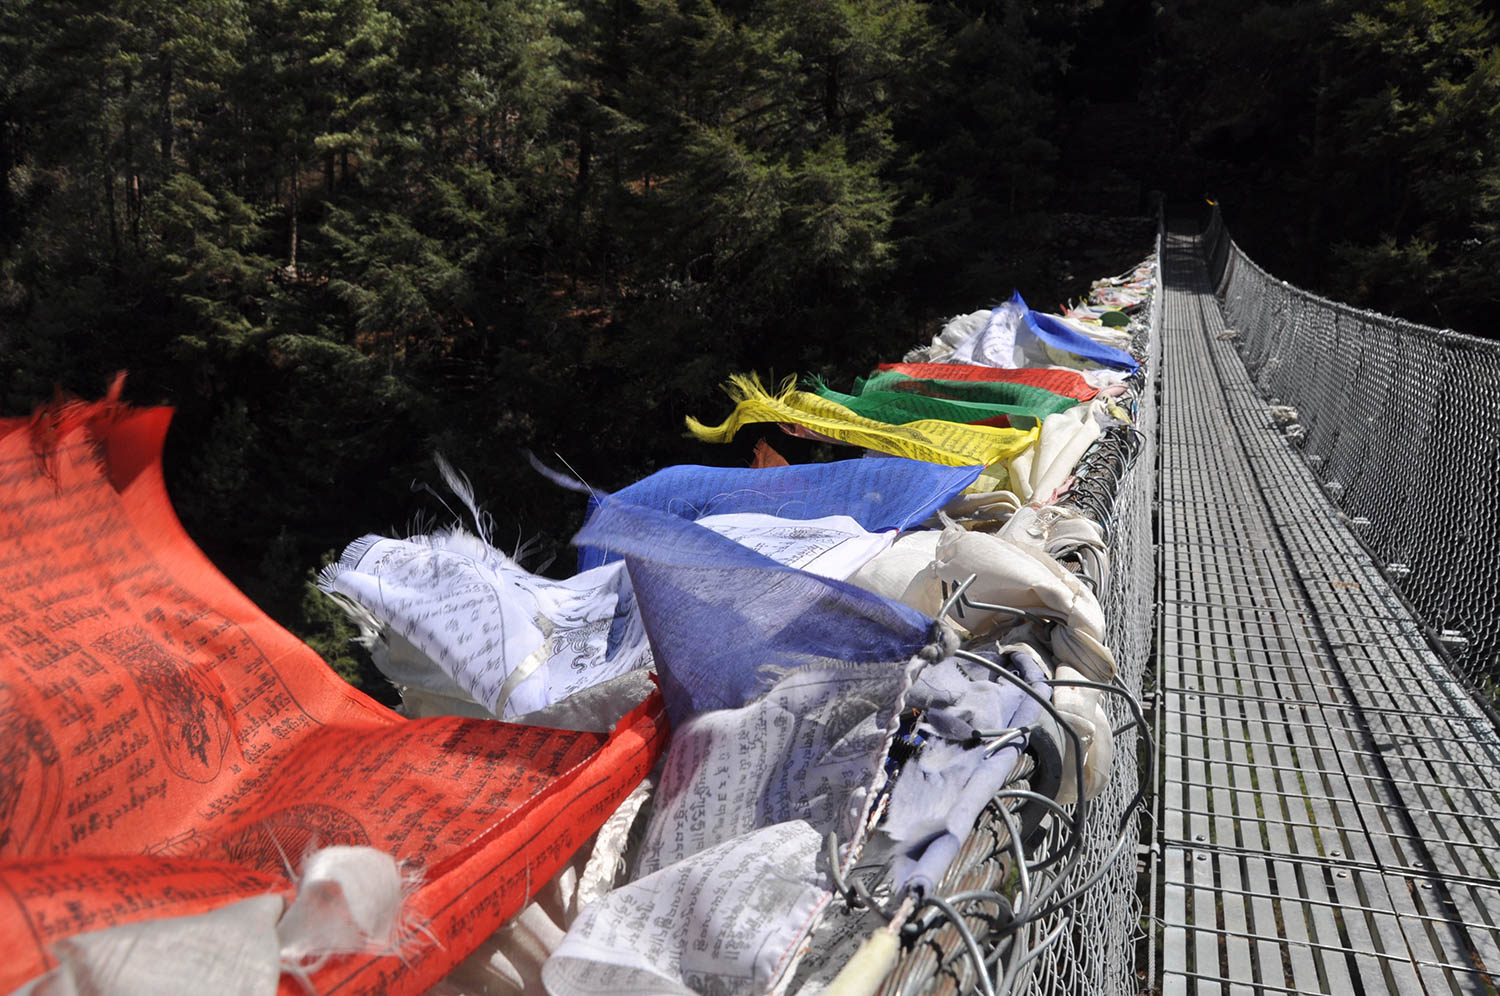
x=165 y=748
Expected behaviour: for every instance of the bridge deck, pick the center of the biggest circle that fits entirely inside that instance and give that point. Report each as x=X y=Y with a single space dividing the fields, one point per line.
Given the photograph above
x=1330 y=800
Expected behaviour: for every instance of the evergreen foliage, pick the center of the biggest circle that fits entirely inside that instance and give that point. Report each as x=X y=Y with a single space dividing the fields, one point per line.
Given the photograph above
x=1358 y=139
x=339 y=235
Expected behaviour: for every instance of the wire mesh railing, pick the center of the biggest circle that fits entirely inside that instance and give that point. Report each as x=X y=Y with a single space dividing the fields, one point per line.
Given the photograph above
x=1401 y=425
x=1063 y=914
x=1117 y=485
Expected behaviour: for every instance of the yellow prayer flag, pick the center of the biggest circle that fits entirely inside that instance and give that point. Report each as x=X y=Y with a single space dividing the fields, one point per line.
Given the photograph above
x=996 y=477
x=953 y=444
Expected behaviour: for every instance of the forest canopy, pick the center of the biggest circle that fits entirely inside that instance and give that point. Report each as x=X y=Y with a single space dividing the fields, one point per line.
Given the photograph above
x=340 y=235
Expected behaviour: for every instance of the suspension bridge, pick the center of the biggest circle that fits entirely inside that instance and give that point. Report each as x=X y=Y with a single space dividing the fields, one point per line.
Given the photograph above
x=1328 y=812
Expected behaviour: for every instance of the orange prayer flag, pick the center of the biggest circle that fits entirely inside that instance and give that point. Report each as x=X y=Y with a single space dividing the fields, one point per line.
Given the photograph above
x=166 y=748
x=765 y=456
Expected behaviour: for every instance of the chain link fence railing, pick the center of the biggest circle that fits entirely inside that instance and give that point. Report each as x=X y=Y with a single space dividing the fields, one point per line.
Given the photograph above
x=1098 y=954
x=1069 y=923
x=1401 y=424
x=1088 y=945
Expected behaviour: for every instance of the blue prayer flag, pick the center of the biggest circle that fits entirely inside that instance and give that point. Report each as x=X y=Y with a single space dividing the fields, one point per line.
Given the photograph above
x=894 y=493
x=725 y=622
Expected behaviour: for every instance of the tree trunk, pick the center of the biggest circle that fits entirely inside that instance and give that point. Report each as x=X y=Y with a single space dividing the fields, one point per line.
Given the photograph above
x=585 y=162
x=8 y=155
x=132 y=178
x=114 y=223
x=294 y=197
x=164 y=109
x=831 y=92
x=1319 y=154
x=135 y=200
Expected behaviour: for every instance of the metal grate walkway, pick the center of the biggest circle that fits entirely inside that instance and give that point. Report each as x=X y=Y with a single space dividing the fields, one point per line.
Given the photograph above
x=1329 y=815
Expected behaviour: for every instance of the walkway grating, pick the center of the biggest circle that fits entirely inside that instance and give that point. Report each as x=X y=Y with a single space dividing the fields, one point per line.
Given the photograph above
x=1329 y=813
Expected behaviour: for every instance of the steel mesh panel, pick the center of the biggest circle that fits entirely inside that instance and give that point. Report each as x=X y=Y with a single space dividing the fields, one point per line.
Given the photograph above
x=1401 y=425
x=1086 y=939
x=1096 y=951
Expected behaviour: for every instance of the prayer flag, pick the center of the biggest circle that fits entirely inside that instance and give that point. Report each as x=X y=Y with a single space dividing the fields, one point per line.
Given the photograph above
x=880 y=495
x=984 y=392
x=168 y=749
x=786 y=692
x=1069 y=383
x=934 y=441
x=899 y=408
x=699 y=592
x=1062 y=342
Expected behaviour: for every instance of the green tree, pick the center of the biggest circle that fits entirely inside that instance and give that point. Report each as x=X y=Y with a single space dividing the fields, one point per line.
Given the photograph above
x=1418 y=93
x=1354 y=142
x=741 y=162
x=980 y=176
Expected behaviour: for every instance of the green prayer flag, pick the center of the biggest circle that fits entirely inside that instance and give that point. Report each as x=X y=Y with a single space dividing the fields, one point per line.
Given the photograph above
x=1034 y=401
x=901 y=407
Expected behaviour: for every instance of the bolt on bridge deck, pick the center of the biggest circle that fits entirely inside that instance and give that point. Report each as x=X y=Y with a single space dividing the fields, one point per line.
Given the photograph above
x=1329 y=812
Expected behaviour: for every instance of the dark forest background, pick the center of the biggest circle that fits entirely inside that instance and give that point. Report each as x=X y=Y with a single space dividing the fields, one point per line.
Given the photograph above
x=339 y=235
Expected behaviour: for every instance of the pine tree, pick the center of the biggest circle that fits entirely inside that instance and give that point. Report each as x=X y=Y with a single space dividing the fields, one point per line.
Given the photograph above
x=746 y=155
x=1418 y=91
x=979 y=181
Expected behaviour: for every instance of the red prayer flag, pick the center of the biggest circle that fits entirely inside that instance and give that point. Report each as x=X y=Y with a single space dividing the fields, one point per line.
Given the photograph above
x=1069 y=383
